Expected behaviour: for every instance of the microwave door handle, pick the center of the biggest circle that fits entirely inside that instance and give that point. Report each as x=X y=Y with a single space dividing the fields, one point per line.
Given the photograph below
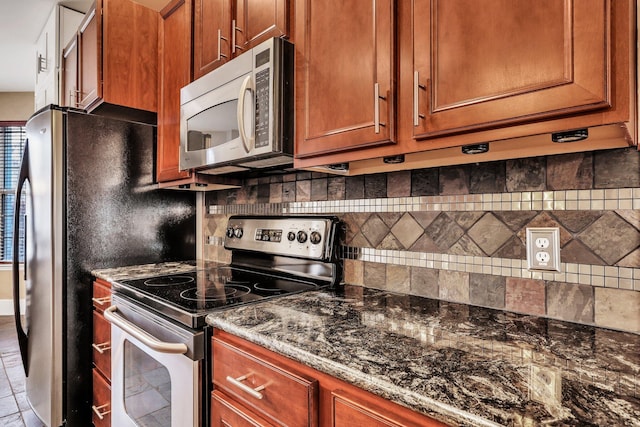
x=247 y=85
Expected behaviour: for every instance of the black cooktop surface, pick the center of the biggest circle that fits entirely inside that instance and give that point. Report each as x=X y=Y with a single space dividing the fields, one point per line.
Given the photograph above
x=188 y=296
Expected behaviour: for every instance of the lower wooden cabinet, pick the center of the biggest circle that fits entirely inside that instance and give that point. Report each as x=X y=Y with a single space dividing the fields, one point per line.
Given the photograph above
x=101 y=403
x=101 y=344
x=256 y=387
x=352 y=408
x=225 y=412
x=263 y=385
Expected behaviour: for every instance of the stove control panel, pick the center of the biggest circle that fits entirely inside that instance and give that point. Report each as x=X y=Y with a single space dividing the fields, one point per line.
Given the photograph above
x=306 y=237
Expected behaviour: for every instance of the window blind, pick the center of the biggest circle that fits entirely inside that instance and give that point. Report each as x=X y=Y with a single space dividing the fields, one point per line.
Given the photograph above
x=12 y=139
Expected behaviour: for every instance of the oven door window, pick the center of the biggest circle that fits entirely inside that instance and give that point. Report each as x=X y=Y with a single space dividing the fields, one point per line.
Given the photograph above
x=147 y=388
x=213 y=127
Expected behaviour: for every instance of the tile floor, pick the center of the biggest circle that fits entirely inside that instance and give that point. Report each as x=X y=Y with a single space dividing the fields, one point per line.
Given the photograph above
x=14 y=408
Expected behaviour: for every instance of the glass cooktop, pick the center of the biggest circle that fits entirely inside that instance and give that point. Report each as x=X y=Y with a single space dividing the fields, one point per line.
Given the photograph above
x=188 y=297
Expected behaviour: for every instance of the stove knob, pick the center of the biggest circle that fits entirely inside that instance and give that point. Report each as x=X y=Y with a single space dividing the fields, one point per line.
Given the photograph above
x=229 y=232
x=302 y=236
x=291 y=236
x=315 y=237
x=237 y=232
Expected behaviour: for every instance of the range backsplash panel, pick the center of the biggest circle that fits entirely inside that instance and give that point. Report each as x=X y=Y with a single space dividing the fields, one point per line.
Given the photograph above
x=457 y=233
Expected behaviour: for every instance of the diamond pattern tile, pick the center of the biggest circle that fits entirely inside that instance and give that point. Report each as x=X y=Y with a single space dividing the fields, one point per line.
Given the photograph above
x=490 y=233
x=444 y=231
x=543 y=219
x=466 y=219
x=407 y=230
x=375 y=230
x=576 y=221
x=466 y=246
x=611 y=237
x=515 y=220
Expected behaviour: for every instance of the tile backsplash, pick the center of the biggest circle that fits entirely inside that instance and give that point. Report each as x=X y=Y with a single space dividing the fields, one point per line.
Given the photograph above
x=457 y=233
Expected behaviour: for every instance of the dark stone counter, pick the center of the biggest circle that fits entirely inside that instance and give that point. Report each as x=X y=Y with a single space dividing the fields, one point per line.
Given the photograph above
x=460 y=364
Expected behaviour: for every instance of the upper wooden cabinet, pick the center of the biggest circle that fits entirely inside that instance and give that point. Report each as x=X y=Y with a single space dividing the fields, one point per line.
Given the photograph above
x=490 y=63
x=69 y=74
x=211 y=33
x=117 y=57
x=256 y=21
x=345 y=73
x=226 y=28
x=470 y=71
x=89 y=61
x=174 y=67
x=58 y=30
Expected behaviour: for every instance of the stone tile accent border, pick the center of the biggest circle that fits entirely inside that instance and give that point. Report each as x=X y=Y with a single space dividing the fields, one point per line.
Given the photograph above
x=583 y=274
x=609 y=199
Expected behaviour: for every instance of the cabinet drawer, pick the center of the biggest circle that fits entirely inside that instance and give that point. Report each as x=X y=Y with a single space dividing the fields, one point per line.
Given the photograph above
x=101 y=295
x=101 y=414
x=225 y=412
x=358 y=408
x=278 y=394
x=102 y=344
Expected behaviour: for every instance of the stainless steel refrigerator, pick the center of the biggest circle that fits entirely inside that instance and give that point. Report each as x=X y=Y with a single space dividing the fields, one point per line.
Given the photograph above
x=90 y=202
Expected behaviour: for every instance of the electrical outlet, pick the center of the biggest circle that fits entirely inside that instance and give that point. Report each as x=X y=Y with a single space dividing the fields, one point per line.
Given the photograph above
x=543 y=248
x=545 y=385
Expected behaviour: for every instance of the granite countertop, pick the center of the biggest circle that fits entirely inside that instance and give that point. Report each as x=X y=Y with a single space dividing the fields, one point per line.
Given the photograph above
x=460 y=364
x=147 y=270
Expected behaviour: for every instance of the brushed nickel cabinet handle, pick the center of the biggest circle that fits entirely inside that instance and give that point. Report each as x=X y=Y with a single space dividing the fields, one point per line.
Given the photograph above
x=376 y=108
x=99 y=410
x=220 y=38
x=416 y=98
x=101 y=348
x=238 y=382
x=233 y=37
x=101 y=301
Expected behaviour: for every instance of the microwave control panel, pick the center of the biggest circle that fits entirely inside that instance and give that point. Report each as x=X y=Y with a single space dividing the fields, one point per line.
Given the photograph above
x=263 y=79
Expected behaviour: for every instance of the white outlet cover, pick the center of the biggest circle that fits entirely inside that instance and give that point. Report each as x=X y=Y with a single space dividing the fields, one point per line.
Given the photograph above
x=543 y=248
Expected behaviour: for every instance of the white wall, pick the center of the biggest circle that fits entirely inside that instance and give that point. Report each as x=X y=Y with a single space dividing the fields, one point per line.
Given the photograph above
x=16 y=106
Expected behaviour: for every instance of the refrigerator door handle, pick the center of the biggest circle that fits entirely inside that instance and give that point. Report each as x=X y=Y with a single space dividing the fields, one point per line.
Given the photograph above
x=22 y=335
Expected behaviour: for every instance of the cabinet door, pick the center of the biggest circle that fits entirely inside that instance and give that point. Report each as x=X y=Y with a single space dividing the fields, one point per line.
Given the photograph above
x=256 y=22
x=263 y=386
x=211 y=35
x=225 y=412
x=351 y=409
x=482 y=64
x=345 y=58
x=69 y=79
x=90 y=60
x=130 y=55
x=101 y=407
x=102 y=344
x=174 y=63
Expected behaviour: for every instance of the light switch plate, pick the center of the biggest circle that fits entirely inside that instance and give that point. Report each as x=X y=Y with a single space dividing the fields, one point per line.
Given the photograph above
x=543 y=248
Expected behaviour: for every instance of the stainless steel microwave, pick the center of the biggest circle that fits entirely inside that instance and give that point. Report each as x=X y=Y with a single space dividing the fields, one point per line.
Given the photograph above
x=240 y=115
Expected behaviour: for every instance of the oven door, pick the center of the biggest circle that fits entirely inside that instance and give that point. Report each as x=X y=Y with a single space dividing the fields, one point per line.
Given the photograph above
x=155 y=381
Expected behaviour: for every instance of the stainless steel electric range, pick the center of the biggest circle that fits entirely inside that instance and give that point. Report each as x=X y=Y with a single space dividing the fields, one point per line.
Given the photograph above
x=159 y=335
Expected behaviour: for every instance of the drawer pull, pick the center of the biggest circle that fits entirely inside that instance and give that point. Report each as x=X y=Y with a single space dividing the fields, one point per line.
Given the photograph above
x=99 y=410
x=255 y=392
x=101 y=301
x=101 y=348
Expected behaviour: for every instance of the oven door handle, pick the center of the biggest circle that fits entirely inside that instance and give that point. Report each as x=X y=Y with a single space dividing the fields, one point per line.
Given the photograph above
x=141 y=335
